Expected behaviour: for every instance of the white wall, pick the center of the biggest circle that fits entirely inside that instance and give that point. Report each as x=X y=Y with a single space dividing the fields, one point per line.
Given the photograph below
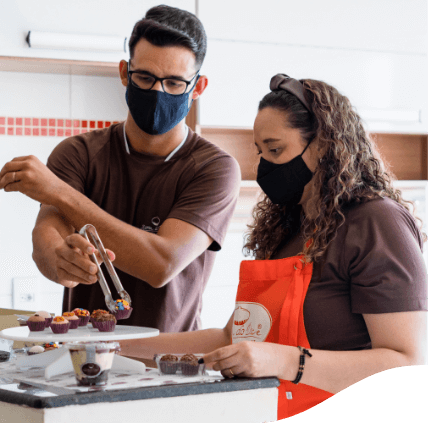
x=374 y=52
x=52 y=96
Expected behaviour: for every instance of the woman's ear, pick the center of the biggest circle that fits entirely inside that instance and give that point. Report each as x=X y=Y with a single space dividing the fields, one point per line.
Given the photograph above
x=320 y=150
x=201 y=85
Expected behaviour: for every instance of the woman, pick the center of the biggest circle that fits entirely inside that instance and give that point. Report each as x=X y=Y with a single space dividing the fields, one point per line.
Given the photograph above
x=338 y=288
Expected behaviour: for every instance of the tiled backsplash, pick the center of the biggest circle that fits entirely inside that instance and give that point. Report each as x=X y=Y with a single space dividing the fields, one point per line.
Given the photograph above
x=49 y=127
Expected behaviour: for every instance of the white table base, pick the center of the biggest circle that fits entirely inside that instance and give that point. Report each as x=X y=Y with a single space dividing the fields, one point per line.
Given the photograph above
x=58 y=362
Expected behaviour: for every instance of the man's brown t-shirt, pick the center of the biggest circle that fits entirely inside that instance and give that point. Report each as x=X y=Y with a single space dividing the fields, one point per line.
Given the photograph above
x=374 y=265
x=198 y=185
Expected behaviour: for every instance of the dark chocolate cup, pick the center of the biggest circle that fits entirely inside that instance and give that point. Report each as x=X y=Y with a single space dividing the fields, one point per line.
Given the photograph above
x=83 y=321
x=60 y=328
x=36 y=326
x=106 y=326
x=168 y=367
x=74 y=323
x=48 y=322
x=188 y=369
x=126 y=313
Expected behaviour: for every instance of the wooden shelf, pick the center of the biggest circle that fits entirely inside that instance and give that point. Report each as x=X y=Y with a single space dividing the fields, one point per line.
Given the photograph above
x=58 y=66
x=406 y=154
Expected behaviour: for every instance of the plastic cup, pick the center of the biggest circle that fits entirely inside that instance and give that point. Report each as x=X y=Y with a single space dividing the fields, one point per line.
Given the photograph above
x=92 y=361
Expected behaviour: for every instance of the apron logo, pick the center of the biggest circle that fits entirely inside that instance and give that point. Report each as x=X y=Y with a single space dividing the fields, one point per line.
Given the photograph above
x=251 y=322
x=155 y=228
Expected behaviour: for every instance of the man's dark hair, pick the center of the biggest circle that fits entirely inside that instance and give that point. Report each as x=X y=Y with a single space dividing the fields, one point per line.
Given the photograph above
x=169 y=26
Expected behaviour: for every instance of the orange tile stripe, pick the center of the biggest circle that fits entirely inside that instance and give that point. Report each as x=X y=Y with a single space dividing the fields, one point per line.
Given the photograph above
x=49 y=127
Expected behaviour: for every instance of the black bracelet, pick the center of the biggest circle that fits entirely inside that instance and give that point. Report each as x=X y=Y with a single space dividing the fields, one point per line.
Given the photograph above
x=301 y=364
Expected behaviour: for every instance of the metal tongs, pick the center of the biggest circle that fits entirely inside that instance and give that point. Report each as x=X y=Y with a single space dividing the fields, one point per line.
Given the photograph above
x=92 y=236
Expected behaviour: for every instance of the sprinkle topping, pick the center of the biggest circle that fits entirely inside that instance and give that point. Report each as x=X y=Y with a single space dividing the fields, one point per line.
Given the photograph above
x=81 y=312
x=50 y=344
x=121 y=305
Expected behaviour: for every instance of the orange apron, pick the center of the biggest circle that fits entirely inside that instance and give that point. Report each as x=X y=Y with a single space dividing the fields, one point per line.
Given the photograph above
x=269 y=308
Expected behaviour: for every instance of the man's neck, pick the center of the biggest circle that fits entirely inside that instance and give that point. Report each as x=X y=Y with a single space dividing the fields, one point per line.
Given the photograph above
x=158 y=145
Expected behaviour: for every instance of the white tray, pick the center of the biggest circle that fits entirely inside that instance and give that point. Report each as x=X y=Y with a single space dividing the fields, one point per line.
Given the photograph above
x=81 y=334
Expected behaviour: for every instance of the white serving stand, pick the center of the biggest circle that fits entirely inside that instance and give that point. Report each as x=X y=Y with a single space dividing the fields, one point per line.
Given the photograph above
x=58 y=361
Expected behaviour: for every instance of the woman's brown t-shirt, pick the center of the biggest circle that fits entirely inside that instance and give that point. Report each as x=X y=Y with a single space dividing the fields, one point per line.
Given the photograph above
x=374 y=265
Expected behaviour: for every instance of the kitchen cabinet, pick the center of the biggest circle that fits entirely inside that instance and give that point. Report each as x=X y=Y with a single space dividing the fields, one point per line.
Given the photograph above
x=375 y=53
x=377 y=83
x=105 y=18
x=381 y=25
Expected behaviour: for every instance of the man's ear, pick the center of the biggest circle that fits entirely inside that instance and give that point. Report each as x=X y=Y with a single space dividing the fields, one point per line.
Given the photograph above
x=201 y=85
x=123 y=72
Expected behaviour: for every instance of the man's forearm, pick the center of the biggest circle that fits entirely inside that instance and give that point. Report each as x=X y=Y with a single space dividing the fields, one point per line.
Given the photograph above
x=126 y=241
x=44 y=244
x=48 y=234
x=201 y=341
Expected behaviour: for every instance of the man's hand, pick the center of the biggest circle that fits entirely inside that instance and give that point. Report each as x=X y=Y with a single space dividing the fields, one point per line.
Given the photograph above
x=31 y=177
x=73 y=265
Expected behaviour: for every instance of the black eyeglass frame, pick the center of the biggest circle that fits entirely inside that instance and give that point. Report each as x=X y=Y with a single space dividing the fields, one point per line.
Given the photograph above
x=159 y=79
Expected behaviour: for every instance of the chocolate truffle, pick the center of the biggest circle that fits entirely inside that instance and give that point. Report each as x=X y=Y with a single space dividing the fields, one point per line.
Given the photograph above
x=36 y=323
x=60 y=325
x=189 y=364
x=104 y=322
x=168 y=364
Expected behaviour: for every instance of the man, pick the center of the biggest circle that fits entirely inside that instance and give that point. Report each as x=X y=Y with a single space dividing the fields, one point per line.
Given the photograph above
x=160 y=196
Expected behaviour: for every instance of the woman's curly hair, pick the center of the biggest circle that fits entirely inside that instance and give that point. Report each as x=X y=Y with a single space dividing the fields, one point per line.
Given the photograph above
x=350 y=171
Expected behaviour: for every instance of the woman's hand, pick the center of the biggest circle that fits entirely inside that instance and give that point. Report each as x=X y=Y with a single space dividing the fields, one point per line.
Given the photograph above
x=254 y=359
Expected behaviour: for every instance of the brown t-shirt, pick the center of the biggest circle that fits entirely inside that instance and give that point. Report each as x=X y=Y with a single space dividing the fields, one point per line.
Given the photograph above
x=198 y=185
x=374 y=265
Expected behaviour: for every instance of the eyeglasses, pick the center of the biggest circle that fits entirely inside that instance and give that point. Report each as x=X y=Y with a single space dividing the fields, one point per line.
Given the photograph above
x=146 y=81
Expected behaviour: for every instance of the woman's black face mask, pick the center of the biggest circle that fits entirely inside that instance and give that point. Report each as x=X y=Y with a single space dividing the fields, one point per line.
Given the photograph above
x=284 y=183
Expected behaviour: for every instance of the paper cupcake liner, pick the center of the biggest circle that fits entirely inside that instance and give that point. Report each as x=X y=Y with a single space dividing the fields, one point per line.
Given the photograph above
x=187 y=369
x=106 y=326
x=83 y=321
x=48 y=322
x=59 y=328
x=168 y=367
x=126 y=313
x=94 y=323
x=74 y=323
x=36 y=326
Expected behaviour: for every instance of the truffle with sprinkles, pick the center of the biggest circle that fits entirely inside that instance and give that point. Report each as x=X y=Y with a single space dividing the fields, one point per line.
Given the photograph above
x=50 y=346
x=122 y=309
x=83 y=314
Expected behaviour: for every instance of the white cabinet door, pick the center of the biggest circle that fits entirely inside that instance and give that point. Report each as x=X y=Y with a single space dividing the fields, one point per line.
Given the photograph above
x=374 y=52
x=93 y=17
x=377 y=83
x=381 y=25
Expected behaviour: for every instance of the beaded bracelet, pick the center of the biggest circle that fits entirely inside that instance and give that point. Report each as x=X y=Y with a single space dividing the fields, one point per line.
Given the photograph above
x=301 y=364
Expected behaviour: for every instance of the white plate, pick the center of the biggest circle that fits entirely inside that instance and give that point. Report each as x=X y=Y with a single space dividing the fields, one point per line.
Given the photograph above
x=81 y=334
